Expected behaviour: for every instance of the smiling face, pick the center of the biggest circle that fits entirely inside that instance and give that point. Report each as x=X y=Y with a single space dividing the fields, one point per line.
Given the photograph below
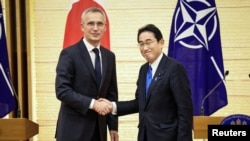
x=93 y=25
x=149 y=47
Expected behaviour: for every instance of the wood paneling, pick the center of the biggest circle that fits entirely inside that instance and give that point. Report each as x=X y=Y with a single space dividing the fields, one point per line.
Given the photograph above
x=47 y=30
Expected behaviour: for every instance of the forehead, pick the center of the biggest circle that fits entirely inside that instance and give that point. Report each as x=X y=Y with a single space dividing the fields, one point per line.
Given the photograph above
x=94 y=16
x=146 y=35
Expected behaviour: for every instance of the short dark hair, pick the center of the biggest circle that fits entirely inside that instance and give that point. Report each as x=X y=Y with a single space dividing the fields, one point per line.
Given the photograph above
x=150 y=28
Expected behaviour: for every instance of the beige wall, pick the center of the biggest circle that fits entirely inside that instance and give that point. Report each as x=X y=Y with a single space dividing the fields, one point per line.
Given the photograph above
x=47 y=27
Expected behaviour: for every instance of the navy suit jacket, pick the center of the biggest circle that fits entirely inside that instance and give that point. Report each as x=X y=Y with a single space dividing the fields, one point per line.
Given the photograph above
x=76 y=86
x=167 y=113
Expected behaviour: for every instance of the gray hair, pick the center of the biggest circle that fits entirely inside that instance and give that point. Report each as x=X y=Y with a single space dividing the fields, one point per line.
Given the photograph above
x=93 y=10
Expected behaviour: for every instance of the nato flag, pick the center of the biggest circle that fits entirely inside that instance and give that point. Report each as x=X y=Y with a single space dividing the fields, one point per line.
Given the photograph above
x=7 y=99
x=195 y=42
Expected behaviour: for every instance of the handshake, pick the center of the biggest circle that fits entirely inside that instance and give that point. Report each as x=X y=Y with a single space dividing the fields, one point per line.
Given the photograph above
x=103 y=106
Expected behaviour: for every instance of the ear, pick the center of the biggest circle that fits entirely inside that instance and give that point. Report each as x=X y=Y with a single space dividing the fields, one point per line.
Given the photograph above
x=162 y=42
x=105 y=27
x=82 y=27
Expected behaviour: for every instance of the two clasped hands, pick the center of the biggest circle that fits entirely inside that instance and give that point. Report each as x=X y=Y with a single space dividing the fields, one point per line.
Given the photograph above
x=103 y=106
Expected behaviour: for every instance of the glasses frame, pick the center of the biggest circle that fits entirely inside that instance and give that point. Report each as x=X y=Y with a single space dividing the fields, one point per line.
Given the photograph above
x=147 y=43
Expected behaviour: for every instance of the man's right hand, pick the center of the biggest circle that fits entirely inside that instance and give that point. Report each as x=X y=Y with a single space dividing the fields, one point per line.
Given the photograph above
x=103 y=106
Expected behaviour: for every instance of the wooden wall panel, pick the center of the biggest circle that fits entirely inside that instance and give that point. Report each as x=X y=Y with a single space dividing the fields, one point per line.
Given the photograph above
x=47 y=29
x=125 y=19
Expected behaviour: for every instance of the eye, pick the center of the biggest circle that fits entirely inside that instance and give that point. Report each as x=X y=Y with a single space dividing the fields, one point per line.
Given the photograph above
x=100 y=24
x=147 y=43
x=91 y=24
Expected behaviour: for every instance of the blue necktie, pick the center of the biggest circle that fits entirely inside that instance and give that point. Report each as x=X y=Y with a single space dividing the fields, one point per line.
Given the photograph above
x=97 y=66
x=149 y=78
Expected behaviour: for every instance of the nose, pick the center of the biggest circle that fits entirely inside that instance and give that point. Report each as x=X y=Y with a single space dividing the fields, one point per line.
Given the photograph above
x=95 y=27
x=145 y=47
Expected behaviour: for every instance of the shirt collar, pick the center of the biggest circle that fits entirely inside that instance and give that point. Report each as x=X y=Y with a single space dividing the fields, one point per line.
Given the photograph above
x=89 y=46
x=155 y=64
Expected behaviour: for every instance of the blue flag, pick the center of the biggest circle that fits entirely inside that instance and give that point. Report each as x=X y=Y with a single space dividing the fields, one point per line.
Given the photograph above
x=195 y=42
x=7 y=99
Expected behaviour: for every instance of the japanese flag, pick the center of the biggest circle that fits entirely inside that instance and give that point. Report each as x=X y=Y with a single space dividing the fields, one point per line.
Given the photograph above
x=73 y=31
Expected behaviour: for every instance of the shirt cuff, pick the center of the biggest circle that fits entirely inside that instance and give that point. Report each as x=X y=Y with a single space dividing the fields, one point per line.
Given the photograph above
x=91 y=106
x=114 y=109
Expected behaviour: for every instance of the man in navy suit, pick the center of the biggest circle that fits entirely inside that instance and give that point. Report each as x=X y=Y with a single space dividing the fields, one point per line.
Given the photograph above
x=165 y=108
x=82 y=116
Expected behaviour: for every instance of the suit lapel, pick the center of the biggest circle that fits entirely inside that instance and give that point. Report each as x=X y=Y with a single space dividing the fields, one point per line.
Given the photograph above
x=157 y=76
x=142 y=87
x=86 y=59
x=144 y=75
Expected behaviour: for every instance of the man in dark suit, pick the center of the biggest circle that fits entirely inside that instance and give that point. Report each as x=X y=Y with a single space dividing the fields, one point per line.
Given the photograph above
x=165 y=108
x=82 y=116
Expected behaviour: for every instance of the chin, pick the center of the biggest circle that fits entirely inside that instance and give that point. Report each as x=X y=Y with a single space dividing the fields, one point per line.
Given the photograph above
x=148 y=59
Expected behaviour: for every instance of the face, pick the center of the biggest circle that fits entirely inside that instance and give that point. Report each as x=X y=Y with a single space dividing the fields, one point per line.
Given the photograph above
x=150 y=48
x=93 y=26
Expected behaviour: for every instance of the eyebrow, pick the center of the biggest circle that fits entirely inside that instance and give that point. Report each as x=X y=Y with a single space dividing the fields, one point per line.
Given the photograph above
x=147 y=40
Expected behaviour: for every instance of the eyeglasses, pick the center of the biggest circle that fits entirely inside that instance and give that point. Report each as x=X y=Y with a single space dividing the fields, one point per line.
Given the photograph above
x=92 y=24
x=147 y=43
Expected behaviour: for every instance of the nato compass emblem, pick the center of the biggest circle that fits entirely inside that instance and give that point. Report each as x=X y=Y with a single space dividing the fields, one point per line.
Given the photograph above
x=193 y=20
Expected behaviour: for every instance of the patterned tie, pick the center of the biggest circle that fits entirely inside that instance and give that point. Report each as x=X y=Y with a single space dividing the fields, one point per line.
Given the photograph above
x=149 y=78
x=97 y=66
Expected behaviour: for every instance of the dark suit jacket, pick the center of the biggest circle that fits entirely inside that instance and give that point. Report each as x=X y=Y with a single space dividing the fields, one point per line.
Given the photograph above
x=167 y=113
x=75 y=87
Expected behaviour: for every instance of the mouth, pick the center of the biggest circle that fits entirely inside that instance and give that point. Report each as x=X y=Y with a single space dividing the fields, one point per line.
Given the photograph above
x=146 y=54
x=95 y=34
